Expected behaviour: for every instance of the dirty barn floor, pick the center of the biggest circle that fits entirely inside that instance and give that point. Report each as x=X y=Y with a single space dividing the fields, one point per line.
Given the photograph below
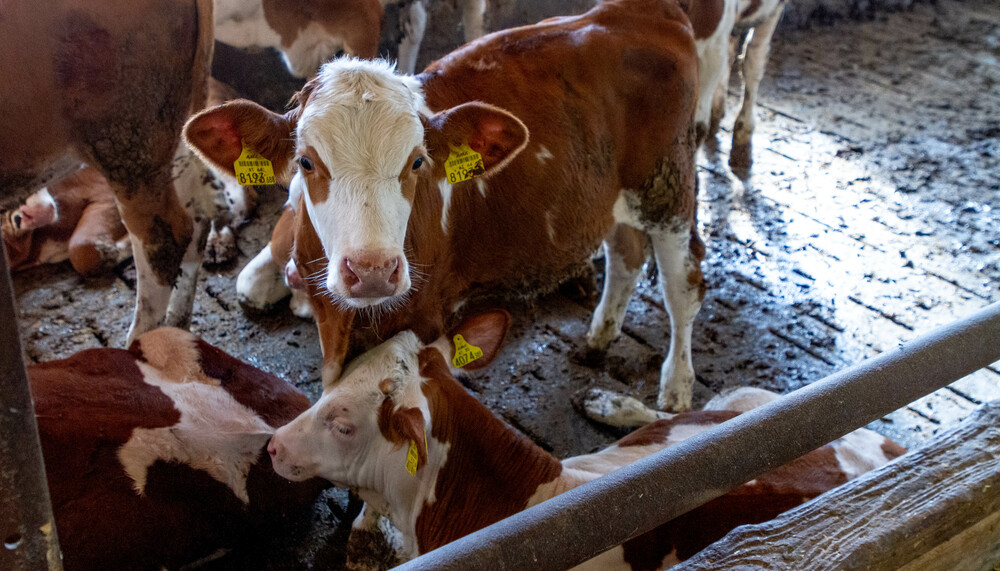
x=868 y=218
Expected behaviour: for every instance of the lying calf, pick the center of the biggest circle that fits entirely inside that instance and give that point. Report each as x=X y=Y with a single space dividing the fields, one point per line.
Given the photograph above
x=401 y=430
x=75 y=219
x=155 y=455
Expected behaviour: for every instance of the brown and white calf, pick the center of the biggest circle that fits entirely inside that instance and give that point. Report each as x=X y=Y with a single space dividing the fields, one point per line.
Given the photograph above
x=403 y=432
x=714 y=22
x=155 y=456
x=75 y=219
x=386 y=238
x=311 y=32
x=110 y=84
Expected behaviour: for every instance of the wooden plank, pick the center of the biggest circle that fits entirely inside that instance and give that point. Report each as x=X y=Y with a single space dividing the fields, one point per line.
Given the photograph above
x=975 y=549
x=884 y=519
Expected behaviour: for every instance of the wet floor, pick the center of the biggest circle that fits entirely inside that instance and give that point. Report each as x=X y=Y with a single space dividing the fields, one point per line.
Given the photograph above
x=869 y=217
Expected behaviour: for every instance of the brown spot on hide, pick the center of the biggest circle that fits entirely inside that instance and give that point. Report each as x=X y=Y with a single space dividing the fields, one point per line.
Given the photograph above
x=86 y=61
x=273 y=399
x=892 y=450
x=764 y=498
x=402 y=426
x=358 y=22
x=317 y=181
x=658 y=432
x=491 y=471
x=705 y=15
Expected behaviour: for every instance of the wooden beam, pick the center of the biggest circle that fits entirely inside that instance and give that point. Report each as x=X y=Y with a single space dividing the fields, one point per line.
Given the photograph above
x=975 y=549
x=905 y=513
x=27 y=527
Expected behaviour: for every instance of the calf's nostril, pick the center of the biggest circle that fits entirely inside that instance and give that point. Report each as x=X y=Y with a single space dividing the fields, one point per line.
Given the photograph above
x=349 y=277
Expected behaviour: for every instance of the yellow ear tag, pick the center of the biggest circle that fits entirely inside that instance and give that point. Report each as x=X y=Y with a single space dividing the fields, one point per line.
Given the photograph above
x=463 y=163
x=252 y=168
x=464 y=352
x=413 y=456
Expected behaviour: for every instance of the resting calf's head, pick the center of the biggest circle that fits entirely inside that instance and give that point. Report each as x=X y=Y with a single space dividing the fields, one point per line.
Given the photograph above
x=358 y=147
x=359 y=434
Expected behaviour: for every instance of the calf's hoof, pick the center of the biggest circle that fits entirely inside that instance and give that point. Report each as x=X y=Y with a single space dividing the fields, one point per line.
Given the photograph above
x=675 y=396
x=740 y=158
x=260 y=285
x=613 y=409
x=220 y=247
x=299 y=304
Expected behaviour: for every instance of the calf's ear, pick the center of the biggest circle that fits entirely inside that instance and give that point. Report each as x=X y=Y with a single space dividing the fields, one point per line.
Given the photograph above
x=497 y=135
x=403 y=426
x=481 y=332
x=218 y=134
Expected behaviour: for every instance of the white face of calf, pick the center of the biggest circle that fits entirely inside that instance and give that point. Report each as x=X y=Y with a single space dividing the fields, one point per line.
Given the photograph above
x=360 y=431
x=359 y=147
x=341 y=438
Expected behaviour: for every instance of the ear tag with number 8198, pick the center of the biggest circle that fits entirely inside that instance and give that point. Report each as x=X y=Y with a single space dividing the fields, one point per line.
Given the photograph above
x=463 y=163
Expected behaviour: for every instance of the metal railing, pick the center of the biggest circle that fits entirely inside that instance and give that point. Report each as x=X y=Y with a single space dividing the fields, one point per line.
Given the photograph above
x=27 y=528
x=583 y=522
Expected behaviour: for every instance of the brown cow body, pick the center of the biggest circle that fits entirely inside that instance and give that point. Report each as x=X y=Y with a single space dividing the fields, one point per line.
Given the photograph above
x=311 y=32
x=608 y=99
x=402 y=397
x=154 y=456
x=110 y=83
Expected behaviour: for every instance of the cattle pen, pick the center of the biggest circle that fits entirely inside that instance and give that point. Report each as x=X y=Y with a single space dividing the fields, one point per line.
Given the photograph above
x=562 y=532
x=865 y=222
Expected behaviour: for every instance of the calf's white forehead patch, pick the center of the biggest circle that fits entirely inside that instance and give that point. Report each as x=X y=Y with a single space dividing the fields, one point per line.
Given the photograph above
x=362 y=119
x=215 y=433
x=395 y=359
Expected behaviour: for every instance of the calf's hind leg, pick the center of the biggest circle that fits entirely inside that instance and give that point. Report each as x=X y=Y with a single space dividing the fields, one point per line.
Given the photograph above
x=161 y=232
x=679 y=252
x=666 y=208
x=754 y=59
x=624 y=255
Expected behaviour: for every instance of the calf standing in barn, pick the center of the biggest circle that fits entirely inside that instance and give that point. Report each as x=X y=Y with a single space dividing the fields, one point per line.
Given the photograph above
x=401 y=430
x=713 y=22
x=110 y=84
x=155 y=456
x=415 y=193
x=311 y=32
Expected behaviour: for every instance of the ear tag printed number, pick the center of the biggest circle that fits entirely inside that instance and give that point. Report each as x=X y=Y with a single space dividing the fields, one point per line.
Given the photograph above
x=413 y=456
x=252 y=168
x=463 y=163
x=464 y=352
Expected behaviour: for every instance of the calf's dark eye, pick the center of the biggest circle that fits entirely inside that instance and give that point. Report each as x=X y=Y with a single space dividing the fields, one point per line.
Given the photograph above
x=418 y=162
x=306 y=164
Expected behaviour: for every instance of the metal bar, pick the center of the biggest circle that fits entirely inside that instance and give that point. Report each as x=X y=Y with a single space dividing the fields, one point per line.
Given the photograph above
x=592 y=518
x=27 y=528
